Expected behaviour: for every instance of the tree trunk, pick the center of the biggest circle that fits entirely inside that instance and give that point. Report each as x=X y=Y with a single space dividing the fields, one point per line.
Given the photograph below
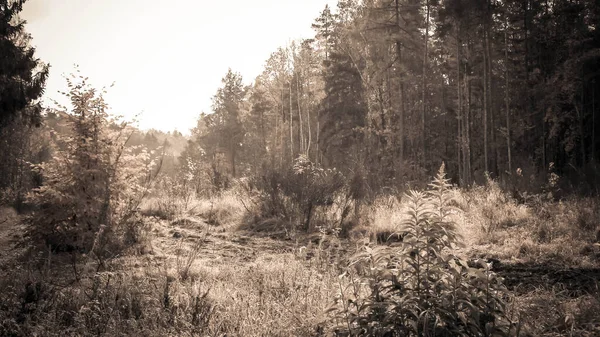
x=485 y=105
x=468 y=128
x=401 y=98
x=424 y=87
x=301 y=131
x=291 y=125
x=460 y=136
x=490 y=85
x=276 y=140
x=233 y=160
x=593 y=157
x=308 y=120
x=581 y=133
x=282 y=134
x=506 y=99
x=318 y=159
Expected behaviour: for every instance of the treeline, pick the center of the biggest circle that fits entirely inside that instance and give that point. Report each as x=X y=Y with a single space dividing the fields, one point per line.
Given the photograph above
x=386 y=90
x=394 y=87
x=26 y=146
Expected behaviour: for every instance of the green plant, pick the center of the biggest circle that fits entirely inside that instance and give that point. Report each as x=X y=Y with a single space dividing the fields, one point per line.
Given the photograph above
x=419 y=287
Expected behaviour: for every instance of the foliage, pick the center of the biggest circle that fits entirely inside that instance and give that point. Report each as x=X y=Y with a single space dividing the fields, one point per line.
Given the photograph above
x=22 y=76
x=419 y=286
x=22 y=82
x=296 y=193
x=226 y=132
x=22 y=146
x=343 y=110
x=93 y=185
x=492 y=209
x=102 y=304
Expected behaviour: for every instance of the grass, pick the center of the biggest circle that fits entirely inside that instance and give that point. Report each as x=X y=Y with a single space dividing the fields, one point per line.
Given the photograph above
x=551 y=313
x=225 y=209
x=213 y=284
x=198 y=271
x=381 y=219
x=562 y=232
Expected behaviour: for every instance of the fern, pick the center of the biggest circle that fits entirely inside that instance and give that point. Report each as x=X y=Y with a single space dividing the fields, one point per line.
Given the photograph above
x=419 y=287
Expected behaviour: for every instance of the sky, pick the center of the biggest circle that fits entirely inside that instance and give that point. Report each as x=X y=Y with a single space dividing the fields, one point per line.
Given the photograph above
x=166 y=58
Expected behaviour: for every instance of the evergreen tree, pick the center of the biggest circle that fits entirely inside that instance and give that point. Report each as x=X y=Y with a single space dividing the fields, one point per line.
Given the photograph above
x=343 y=109
x=227 y=104
x=22 y=80
x=22 y=76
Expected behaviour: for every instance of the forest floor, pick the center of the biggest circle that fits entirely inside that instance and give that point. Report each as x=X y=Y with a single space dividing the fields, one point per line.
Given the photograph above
x=192 y=278
x=11 y=231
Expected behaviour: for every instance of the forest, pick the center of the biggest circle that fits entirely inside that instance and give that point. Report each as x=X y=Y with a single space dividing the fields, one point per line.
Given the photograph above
x=417 y=168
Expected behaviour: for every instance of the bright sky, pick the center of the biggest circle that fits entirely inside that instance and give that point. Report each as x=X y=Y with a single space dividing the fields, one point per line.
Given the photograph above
x=166 y=58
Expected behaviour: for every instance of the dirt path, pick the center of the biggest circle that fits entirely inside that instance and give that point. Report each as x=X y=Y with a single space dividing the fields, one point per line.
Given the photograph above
x=214 y=244
x=224 y=247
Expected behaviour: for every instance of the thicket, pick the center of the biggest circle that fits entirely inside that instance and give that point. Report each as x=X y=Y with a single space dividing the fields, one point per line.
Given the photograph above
x=22 y=146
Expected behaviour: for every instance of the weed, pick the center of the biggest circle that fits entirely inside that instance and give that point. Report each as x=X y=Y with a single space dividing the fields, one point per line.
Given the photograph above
x=419 y=287
x=186 y=257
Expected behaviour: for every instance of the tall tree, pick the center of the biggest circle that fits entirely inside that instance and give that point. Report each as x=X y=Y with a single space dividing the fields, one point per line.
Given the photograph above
x=343 y=109
x=22 y=82
x=227 y=117
x=22 y=75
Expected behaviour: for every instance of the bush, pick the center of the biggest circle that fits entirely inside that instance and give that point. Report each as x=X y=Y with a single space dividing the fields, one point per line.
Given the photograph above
x=418 y=286
x=112 y=303
x=225 y=209
x=493 y=209
x=296 y=193
x=172 y=198
x=381 y=220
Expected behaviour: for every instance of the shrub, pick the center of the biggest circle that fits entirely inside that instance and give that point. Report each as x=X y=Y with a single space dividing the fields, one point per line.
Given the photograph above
x=418 y=286
x=115 y=303
x=296 y=193
x=381 y=220
x=490 y=209
x=172 y=198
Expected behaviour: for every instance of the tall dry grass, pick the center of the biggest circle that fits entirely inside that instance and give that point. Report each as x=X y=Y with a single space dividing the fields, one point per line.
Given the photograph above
x=276 y=294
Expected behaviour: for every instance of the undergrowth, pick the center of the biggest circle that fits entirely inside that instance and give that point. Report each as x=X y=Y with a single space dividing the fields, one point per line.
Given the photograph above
x=419 y=287
x=409 y=276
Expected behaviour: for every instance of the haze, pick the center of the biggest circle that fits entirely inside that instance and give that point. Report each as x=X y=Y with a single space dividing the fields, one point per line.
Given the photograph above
x=166 y=58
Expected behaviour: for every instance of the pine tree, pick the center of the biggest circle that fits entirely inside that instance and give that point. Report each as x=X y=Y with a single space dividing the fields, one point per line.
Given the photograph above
x=22 y=76
x=343 y=109
x=227 y=117
x=323 y=25
x=22 y=81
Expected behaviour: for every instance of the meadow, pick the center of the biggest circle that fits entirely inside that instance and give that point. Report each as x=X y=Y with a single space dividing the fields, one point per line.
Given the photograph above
x=211 y=266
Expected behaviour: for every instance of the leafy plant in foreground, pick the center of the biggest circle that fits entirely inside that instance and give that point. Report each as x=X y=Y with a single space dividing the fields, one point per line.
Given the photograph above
x=419 y=287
